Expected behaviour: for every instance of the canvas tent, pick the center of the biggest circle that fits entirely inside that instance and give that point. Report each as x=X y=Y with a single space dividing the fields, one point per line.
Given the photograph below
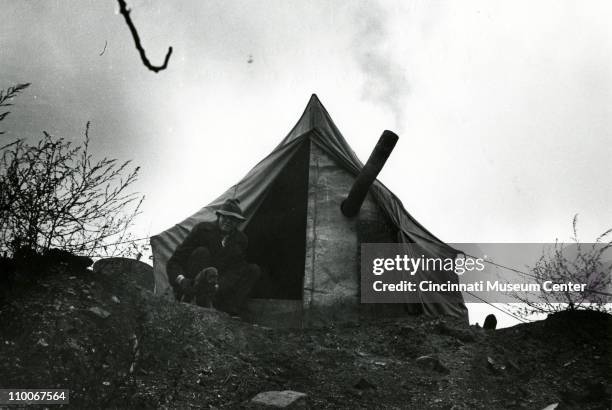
x=297 y=233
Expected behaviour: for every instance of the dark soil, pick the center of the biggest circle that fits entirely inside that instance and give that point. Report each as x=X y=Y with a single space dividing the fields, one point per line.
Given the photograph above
x=149 y=353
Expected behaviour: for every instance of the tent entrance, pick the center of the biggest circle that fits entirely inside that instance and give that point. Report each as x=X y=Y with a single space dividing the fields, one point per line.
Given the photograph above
x=277 y=231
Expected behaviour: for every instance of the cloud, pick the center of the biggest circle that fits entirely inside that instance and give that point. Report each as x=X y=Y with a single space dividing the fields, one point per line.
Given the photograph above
x=385 y=78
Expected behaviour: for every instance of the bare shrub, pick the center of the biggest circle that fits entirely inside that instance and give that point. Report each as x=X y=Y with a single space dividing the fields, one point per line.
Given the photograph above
x=53 y=194
x=581 y=263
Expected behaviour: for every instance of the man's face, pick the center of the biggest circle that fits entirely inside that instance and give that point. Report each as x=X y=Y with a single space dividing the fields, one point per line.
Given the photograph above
x=212 y=277
x=227 y=223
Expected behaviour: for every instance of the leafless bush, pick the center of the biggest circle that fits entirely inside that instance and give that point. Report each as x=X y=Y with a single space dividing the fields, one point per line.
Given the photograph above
x=53 y=194
x=581 y=263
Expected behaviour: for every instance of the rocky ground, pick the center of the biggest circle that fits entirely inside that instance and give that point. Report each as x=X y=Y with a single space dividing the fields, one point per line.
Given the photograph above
x=114 y=345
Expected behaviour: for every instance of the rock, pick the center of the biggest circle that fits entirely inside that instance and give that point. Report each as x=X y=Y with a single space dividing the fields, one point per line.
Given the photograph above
x=278 y=399
x=99 y=312
x=490 y=322
x=494 y=366
x=115 y=299
x=551 y=406
x=42 y=342
x=491 y=363
x=431 y=363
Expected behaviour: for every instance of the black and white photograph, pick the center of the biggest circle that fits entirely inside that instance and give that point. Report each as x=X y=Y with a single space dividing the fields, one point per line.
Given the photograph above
x=306 y=204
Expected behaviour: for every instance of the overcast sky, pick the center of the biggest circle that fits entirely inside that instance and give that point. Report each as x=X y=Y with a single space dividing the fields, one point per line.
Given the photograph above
x=504 y=109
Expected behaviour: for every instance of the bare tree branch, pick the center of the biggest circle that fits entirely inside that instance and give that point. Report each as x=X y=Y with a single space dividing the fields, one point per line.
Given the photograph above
x=6 y=97
x=126 y=14
x=104 y=49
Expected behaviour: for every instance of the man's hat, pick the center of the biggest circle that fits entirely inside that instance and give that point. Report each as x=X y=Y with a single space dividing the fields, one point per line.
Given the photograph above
x=231 y=208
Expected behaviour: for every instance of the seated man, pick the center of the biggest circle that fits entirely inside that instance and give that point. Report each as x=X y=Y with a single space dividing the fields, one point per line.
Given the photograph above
x=210 y=264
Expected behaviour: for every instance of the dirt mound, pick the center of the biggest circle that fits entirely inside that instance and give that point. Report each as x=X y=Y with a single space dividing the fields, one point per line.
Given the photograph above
x=140 y=273
x=588 y=323
x=565 y=357
x=113 y=344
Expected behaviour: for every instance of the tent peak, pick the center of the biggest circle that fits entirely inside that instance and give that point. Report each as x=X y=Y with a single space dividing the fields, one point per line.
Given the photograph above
x=315 y=117
x=314 y=104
